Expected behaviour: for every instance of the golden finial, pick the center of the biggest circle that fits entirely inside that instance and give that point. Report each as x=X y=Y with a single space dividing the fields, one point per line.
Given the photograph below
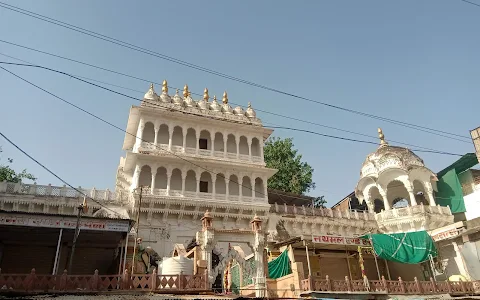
x=225 y=98
x=381 y=137
x=164 y=87
x=185 y=91
x=205 y=95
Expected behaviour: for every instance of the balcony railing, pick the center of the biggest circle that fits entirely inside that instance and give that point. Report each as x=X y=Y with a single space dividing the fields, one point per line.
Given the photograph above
x=62 y=191
x=321 y=212
x=411 y=211
x=201 y=195
x=146 y=146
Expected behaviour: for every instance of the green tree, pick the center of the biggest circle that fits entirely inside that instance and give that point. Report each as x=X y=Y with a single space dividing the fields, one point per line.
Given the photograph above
x=8 y=174
x=294 y=175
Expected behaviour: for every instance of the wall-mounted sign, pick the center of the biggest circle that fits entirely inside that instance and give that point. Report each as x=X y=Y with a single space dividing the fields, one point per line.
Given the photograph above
x=63 y=222
x=445 y=235
x=340 y=240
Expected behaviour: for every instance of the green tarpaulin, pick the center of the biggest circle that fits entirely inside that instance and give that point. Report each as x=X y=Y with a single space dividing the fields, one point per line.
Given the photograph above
x=407 y=248
x=450 y=192
x=280 y=266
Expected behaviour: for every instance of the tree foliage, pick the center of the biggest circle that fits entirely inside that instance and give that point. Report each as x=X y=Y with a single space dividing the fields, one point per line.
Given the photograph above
x=294 y=175
x=319 y=202
x=8 y=174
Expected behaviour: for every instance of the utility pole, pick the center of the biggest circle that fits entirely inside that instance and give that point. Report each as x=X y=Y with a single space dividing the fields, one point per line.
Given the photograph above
x=137 y=226
x=76 y=234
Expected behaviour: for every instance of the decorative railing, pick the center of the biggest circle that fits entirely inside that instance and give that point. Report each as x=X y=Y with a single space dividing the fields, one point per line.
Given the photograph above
x=201 y=195
x=81 y=283
x=393 y=287
x=320 y=212
x=62 y=191
x=410 y=211
x=150 y=147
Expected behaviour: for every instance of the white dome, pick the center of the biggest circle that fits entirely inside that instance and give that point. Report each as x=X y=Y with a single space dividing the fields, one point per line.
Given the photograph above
x=189 y=102
x=203 y=105
x=165 y=98
x=176 y=265
x=250 y=112
x=238 y=111
x=150 y=94
x=215 y=106
x=177 y=99
x=226 y=108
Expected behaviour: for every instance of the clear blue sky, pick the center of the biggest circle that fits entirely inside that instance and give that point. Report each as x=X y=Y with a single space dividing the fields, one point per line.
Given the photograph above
x=416 y=61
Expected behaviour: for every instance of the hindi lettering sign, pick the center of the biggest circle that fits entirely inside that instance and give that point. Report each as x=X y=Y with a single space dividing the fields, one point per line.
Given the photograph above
x=340 y=240
x=445 y=235
x=63 y=222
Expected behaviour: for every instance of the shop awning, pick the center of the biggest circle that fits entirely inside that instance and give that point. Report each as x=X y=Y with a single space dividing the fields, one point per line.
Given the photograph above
x=407 y=248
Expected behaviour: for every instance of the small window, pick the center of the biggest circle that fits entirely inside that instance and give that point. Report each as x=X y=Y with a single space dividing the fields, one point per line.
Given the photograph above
x=203 y=186
x=202 y=143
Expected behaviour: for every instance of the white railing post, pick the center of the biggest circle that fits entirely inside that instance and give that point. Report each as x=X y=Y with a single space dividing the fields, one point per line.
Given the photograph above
x=48 y=190
x=3 y=186
x=93 y=193
x=63 y=191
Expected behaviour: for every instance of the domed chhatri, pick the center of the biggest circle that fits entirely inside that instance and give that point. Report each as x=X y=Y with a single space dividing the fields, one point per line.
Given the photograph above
x=164 y=96
x=226 y=108
x=188 y=99
x=150 y=94
x=177 y=99
x=238 y=111
x=250 y=112
x=394 y=169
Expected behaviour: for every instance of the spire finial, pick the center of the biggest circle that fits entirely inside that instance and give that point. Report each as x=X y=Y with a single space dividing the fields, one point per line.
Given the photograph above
x=205 y=95
x=381 y=137
x=225 y=98
x=165 y=87
x=215 y=98
x=185 y=91
x=151 y=86
x=176 y=92
x=249 y=104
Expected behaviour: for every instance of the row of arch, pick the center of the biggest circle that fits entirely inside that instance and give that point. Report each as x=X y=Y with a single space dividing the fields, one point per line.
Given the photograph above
x=203 y=139
x=398 y=196
x=191 y=181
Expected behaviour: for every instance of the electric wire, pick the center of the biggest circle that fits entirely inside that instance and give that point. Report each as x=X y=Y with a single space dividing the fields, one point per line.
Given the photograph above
x=167 y=151
x=203 y=69
x=429 y=150
x=55 y=175
x=472 y=3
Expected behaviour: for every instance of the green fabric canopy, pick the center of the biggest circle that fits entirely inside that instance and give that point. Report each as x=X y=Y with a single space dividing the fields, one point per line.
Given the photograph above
x=280 y=266
x=407 y=248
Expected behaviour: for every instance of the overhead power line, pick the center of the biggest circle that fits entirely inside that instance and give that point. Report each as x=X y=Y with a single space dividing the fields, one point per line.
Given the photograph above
x=55 y=175
x=167 y=151
x=155 y=104
x=203 y=69
x=472 y=3
x=260 y=110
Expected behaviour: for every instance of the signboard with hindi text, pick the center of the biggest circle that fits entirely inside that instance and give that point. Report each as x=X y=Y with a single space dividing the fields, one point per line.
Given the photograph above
x=340 y=240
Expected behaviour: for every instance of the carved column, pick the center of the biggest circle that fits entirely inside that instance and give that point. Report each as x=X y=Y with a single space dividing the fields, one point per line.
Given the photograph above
x=214 y=188
x=136 y=177
x=156 y=128
x=197 y=177
x=237 y=141
x=260 y=143
x=206 y=241
x=184 y=132
x=258 y=249
x=383 y=193
x=197 y=142
x=212 y=143
x=252 y=184
x=429 y=191
x=249 y=141
x=240 y=186
x=225 y=139
x=141 y=127
x=154 y=175
x=184 y=178
x=170 y=138
x=227 y=189
x=169 y=179
x=411 y=195
x=265 y=188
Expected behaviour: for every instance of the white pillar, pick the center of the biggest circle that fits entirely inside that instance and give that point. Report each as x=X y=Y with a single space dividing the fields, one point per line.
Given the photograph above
x=429 y=192
x=169 y=180
x=57 y=253
x=240 y=184
x=170 y=138
x=155 y=141
x=260 y=144
x=212 y=144
x=184 y=178
x=227 y=189
x=409 y=188
x=237 y=141
x=197 y=177
x=197 y=142
x=214 y=188
x=139 y=137
x=252 y=184
x=136 y=177
x=225 y=139
x=154 y=175
x=249 y=141
x=184 y=139
x=265 y=188
x=385 y=200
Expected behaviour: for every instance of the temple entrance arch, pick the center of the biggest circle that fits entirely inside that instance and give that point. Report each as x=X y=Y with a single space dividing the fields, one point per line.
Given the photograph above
x=208 y=238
